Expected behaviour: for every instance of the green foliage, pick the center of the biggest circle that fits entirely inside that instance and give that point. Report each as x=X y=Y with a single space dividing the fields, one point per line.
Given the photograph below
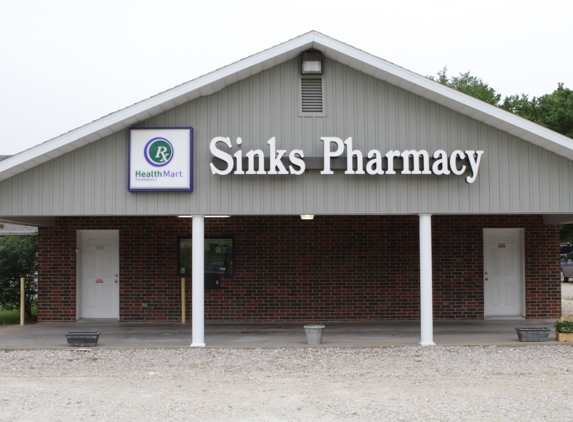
x=18 y=258
x=567 y=233
x=470 y=85
x=13 y=316
x=564 y=327
x=522 y=106
x=554 y=111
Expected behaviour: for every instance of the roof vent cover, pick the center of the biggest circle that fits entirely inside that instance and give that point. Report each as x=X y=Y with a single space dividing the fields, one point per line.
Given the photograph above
x=311 y=90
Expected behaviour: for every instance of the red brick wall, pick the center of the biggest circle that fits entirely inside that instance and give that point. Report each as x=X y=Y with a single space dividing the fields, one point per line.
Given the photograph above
x=353 y=268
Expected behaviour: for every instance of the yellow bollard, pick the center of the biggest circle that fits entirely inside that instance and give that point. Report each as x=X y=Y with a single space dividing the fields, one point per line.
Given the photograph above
x=183 y=300
x=22 y=301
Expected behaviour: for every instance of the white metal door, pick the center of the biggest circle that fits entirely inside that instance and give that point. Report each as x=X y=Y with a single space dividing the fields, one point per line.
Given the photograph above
x=99 y=273
x=503 y=272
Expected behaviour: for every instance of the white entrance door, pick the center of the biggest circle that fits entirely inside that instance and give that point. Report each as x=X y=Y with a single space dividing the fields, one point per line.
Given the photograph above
x=504 y=279
x=98 y=273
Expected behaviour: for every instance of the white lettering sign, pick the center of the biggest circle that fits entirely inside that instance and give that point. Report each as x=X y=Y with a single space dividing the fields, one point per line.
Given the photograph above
x=407 y=162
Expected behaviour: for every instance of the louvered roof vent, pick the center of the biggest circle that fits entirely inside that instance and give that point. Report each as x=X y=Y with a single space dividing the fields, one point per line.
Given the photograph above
x=311 y=70
x=311 y=95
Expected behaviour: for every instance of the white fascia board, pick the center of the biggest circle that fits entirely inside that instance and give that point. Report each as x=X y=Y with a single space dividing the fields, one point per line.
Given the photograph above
x=64 y=149
x=380 y=74
x=257 y=68
x=118 y=127
x=466 y=110
x=190 y=96
x=52 y=154
x=231 y=79
x=180 y=100
x=431 y=95
x=369 y=69
x=393 y=79
x=517 y=132
x=357 y=64
x=331 y=54
x=407 y=85
x=418 y=90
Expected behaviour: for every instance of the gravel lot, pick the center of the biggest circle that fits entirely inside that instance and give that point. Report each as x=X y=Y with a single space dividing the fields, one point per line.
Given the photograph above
x=394 y=383
x=321 y=384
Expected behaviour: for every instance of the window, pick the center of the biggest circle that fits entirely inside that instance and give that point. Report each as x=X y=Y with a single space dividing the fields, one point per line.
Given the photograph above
x=218 y=256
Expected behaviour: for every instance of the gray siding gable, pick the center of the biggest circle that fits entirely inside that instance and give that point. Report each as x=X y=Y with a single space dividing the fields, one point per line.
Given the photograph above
x=515 y=175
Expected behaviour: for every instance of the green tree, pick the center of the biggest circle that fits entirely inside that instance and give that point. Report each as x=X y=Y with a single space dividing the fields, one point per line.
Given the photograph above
x=554 y=111
x=18 y=258
x=469 y=84
x=522 y=106
x=567 y=233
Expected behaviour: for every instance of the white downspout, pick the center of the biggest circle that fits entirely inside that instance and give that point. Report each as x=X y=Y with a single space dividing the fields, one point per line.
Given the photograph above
x=198 y=275
x=426 y=313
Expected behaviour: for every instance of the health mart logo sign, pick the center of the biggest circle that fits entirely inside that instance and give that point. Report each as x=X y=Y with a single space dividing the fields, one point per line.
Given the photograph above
x=161 y=159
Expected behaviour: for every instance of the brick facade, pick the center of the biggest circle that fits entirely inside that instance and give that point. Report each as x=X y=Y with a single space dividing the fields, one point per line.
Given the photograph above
x=342 y=268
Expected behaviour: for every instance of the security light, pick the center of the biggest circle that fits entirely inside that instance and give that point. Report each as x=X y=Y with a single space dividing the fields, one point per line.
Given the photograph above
x=311 y=62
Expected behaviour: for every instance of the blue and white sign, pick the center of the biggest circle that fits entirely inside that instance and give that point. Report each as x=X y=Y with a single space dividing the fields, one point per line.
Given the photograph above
x=160 y=159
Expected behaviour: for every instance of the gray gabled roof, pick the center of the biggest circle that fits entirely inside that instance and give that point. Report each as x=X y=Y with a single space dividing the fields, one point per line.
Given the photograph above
x=7 y=229
x=333 y=49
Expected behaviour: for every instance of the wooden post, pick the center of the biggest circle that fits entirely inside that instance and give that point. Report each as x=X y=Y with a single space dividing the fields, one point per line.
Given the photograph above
x=22 y=301
x=183 y=300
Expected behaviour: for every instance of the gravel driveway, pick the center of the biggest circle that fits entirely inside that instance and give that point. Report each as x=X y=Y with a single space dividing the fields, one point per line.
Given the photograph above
x=307 y=384
x=316 y=384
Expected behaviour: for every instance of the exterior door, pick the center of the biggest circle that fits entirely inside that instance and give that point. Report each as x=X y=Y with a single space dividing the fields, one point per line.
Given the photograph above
x=98 y=273
x=503 y=272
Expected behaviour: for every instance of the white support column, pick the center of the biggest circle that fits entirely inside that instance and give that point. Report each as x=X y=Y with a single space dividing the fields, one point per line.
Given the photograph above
x=198 y=312
x=426 y=313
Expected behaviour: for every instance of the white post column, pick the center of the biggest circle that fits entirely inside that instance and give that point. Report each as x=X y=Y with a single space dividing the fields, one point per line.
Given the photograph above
x=426 y=313
x=198 y=262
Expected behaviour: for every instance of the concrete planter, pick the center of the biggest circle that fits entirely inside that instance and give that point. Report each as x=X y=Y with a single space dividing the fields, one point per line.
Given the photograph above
x=314 y=333
x=533 y=334
x=82 y=339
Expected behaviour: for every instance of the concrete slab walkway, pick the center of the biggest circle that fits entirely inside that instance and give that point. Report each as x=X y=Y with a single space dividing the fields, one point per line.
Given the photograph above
x=123 y=335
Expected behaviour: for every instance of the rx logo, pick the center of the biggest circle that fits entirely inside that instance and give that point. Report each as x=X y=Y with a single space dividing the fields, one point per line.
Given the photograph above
x=158 y=152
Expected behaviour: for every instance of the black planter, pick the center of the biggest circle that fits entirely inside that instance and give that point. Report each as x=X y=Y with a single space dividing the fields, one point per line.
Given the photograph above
x=82 y=339
x=533 y=334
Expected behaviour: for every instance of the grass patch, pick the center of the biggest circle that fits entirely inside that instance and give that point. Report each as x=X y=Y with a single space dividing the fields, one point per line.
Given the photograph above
x=13 y=317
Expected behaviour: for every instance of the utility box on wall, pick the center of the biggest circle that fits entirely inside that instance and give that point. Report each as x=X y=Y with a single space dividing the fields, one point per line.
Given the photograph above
x=212 y=281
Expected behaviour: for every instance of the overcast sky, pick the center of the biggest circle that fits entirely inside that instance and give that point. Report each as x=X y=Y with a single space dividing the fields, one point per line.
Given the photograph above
x=66 y=63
